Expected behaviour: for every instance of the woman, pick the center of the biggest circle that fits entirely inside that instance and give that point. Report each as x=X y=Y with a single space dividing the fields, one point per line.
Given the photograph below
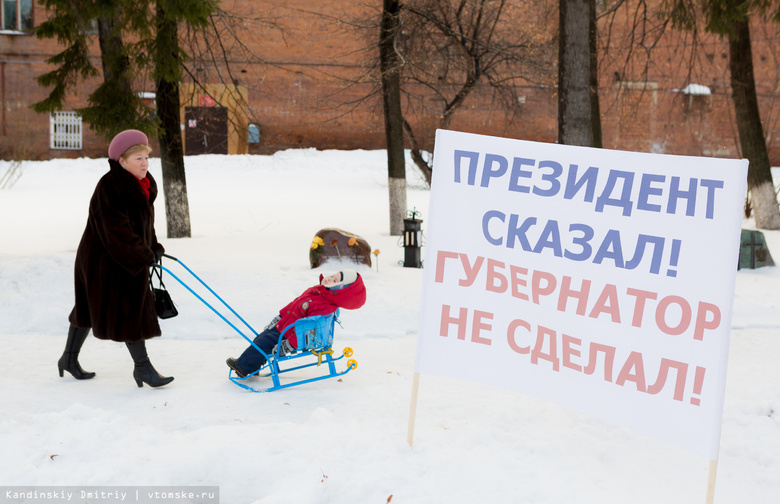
x=113 y=296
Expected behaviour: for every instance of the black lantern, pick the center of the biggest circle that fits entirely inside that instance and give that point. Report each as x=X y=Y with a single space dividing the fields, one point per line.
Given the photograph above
x=412 y=242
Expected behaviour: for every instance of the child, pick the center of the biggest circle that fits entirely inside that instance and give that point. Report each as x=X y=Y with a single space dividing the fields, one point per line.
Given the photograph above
x=344 y=289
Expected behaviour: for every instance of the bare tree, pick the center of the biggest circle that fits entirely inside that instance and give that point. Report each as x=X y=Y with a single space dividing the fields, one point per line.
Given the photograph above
x=451 y=49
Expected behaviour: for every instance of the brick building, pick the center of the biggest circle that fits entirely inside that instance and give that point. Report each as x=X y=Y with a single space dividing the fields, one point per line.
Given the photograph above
x=292 y=79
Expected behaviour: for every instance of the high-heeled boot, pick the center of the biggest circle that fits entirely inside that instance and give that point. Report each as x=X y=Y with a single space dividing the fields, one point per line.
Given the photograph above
x=144 y=372
x=70 y=357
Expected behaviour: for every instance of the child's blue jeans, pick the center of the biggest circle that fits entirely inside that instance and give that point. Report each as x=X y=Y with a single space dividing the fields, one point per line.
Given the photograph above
x=251 y=360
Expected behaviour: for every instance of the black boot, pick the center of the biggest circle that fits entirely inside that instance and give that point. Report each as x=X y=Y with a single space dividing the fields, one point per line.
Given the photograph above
x=144 y=372
x=233 y=364
x=70 y=358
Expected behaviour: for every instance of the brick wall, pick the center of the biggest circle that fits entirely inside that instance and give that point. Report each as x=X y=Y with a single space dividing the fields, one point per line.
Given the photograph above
x=305 y=60
x=24 y=133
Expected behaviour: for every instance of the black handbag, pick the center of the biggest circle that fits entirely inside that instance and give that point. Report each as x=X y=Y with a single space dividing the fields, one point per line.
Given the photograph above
x=163 y=303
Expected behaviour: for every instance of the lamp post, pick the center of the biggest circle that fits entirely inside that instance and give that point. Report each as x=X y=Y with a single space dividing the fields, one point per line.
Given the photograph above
x=412 y=242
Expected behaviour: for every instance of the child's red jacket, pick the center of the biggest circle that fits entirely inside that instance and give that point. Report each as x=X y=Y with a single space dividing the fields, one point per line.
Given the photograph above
x=318 y=300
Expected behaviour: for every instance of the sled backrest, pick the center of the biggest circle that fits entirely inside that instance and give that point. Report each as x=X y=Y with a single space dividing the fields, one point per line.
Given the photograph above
x=316 y=332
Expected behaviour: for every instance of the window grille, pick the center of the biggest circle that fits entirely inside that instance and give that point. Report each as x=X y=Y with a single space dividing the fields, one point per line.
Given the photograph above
x=65 y=130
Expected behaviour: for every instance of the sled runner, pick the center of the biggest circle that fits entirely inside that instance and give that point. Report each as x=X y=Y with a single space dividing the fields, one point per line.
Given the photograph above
x=314 y=339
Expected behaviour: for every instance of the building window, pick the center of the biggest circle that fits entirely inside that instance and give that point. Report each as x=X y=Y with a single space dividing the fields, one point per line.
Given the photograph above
x=65 y=130
x=17 y=15
x=698 y=98
x=253 y=135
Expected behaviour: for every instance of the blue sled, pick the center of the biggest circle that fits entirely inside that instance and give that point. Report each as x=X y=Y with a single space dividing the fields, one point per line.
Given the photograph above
x=315 y=341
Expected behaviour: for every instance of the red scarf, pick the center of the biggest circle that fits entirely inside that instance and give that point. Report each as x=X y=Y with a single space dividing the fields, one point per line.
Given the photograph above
x=145 y=183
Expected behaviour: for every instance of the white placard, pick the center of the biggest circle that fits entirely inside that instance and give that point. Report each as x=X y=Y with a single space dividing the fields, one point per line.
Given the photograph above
x=597 y=279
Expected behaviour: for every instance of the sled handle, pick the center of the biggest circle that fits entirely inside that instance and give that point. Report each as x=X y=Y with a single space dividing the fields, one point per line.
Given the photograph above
x=203 y=300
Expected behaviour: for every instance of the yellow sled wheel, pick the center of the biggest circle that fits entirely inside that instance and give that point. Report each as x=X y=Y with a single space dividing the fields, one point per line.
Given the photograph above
x=351 y=363
x=347 y=352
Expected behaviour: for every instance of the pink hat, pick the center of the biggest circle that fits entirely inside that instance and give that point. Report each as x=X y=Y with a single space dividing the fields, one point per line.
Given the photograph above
x=124 y=141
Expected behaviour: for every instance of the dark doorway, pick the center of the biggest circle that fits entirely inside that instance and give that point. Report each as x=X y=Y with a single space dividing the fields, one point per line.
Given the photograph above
x=205 y=130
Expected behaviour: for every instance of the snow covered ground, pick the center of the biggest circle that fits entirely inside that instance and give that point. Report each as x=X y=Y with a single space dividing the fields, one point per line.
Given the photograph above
x=334 y=441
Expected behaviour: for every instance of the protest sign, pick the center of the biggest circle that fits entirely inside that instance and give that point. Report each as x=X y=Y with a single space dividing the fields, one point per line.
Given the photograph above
x=601 y=280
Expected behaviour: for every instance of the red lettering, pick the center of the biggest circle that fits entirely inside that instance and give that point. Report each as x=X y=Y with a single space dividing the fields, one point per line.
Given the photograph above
x=471 y=270
x=492 y=276
x=441 y=259
x=516 y=272
x=568 y=351
x=634 y=361
x=479 y=326
x=663 y=372
x=607 y=303
x=609 y=358
x=510 y=336
x=460 y=322
x=701 y=319
x=536 y=285
x=639 y=306
x=685 y=318
x=581 y=295
x=552 y=354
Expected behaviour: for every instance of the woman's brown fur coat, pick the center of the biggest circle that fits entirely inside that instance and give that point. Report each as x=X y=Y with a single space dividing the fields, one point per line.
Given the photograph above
x=113 y=296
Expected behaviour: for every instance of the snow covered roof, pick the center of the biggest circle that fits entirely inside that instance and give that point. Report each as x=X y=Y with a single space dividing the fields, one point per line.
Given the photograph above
x=696 y=89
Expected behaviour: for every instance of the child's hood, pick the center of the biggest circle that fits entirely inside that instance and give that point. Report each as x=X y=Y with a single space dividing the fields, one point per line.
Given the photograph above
x=351 y=297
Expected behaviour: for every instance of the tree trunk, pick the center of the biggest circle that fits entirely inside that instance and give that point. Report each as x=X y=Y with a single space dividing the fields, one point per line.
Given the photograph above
x=113 y=106
x=595 y=109
x=579 y=121
x=167 y=70
x=115 y=64
x=390 y=66
x=751 y=134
